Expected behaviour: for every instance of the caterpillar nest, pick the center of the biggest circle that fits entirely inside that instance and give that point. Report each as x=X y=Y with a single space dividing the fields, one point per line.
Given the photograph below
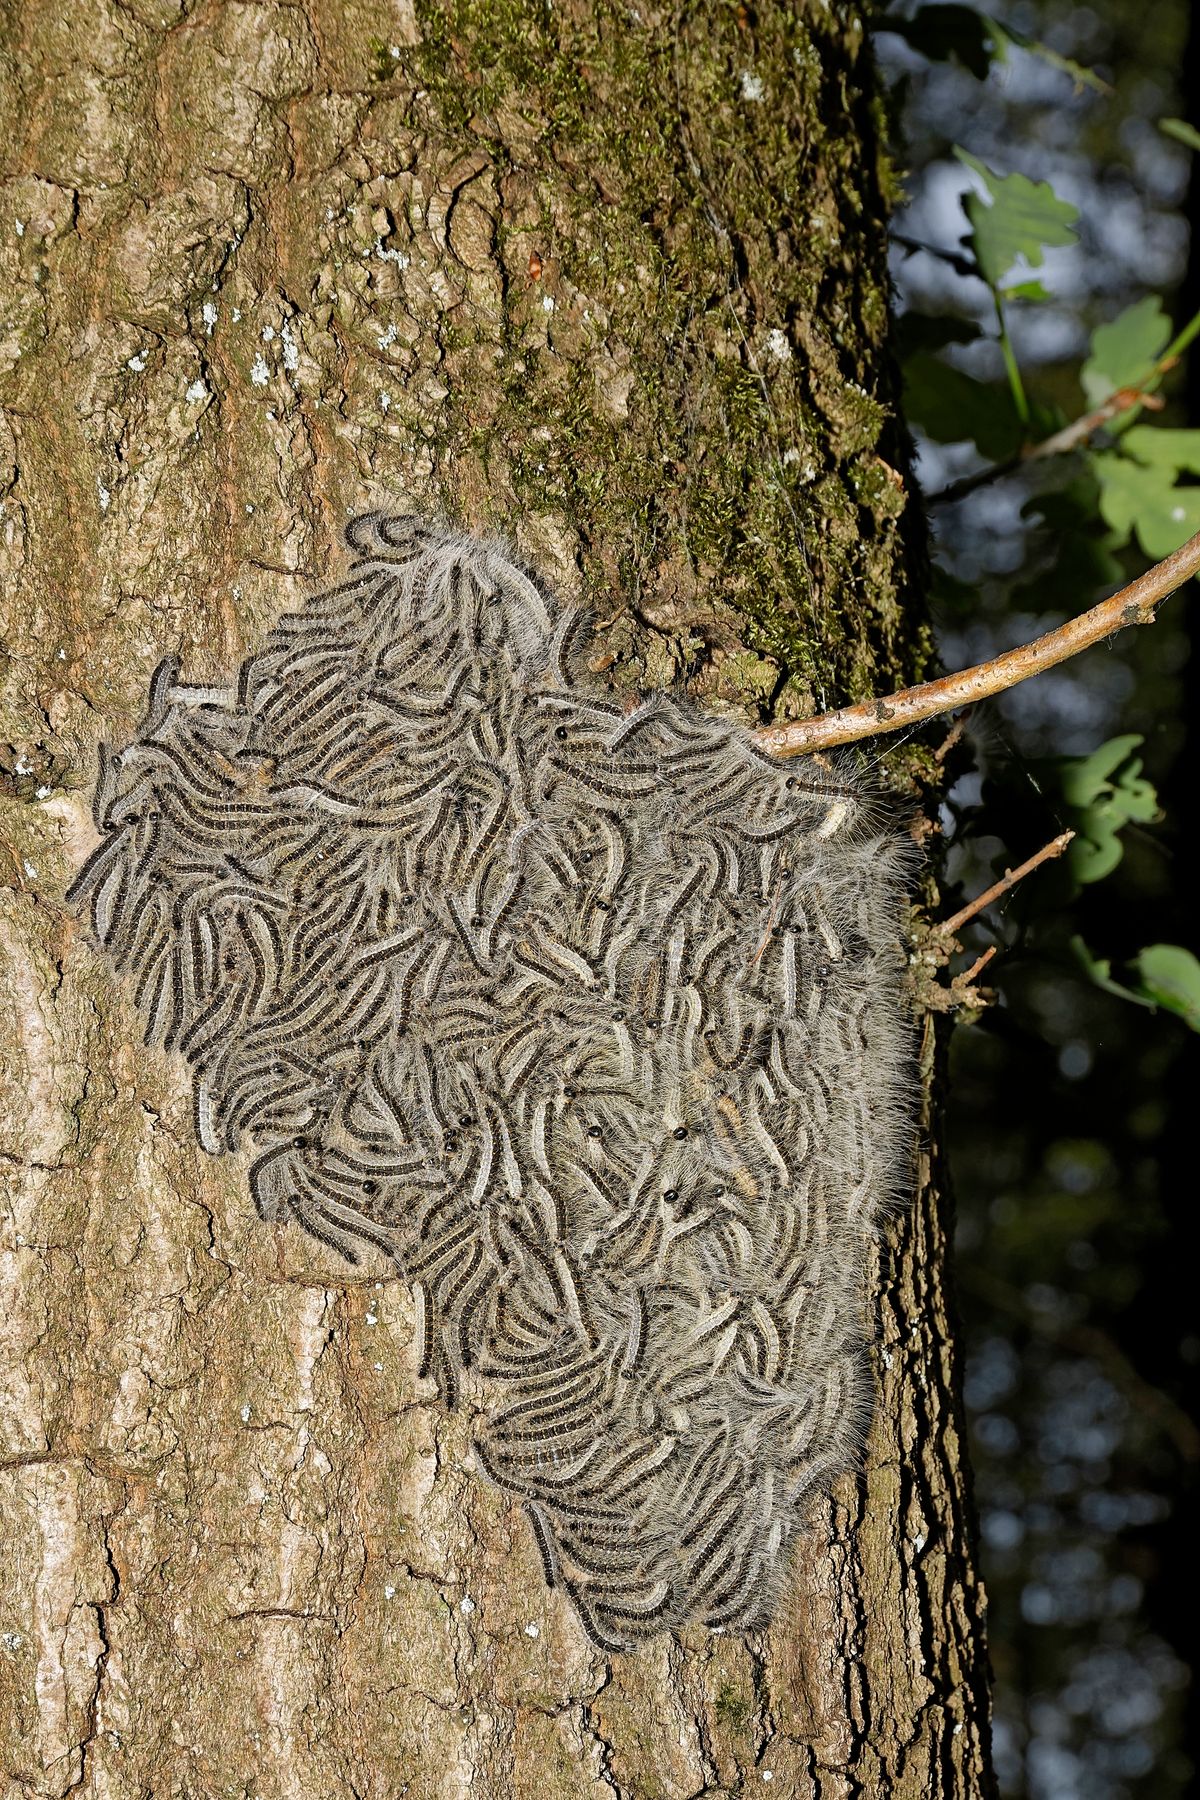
x=588 y=1016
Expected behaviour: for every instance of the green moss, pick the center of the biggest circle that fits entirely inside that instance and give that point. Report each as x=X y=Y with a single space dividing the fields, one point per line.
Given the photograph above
x=382 y=63
x=722 y=239
x=732 y=1709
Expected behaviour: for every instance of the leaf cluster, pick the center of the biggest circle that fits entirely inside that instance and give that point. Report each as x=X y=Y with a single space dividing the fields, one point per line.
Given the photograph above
x=1114 y=483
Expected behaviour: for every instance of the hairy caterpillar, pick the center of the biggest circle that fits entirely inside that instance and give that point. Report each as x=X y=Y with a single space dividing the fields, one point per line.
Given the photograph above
x=590 y=1018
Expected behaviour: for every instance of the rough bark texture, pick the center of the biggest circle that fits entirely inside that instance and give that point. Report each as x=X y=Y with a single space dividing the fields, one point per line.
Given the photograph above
x=612 y=280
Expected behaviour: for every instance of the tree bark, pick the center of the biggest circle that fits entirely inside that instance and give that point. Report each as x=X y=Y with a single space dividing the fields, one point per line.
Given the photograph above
x=612 y=280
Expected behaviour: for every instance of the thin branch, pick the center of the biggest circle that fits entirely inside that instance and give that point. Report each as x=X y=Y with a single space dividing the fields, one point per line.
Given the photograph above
x=967 y=484
x=1059 y=443
x=949 y=927
x=1126 y=403
x=1133 y=605
x=954 y=259
x=960 y=991
x=942 y=942
x=952 y=736
x=969 y=976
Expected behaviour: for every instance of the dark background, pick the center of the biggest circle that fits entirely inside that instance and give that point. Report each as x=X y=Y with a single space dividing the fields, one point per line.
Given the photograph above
x=1069 y=1109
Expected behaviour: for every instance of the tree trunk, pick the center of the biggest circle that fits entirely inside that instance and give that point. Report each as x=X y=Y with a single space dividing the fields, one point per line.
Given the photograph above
x=612 y=280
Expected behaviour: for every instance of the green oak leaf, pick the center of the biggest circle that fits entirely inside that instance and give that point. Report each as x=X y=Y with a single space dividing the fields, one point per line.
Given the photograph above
x=1020 y=222
x=1095 y=850
x=1169 y=976
x=1084 y=778
x=1098 y=969
x=1136 y=498
x=1104 y=792
x=1124 y=352
x=1163 y=446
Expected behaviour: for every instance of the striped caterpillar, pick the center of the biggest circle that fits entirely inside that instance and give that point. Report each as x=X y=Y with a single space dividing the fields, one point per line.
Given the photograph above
x=589 y=1017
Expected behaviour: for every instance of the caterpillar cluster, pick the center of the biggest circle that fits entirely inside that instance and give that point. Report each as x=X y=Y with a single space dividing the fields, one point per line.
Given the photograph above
x=587 y=1014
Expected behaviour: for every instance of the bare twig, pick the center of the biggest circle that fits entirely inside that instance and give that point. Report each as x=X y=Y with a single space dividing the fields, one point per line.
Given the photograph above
x=1133 y=605
x=952 y=736
x=967 y=484
x=1059 y=443
x=941 y=942
x=949 y=927
x=954 y=259
x=961 y=990
x=1126 y=403
x=968 y=976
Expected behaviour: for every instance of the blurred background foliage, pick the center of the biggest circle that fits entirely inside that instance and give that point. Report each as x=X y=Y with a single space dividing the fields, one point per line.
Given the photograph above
x=1043 y=262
